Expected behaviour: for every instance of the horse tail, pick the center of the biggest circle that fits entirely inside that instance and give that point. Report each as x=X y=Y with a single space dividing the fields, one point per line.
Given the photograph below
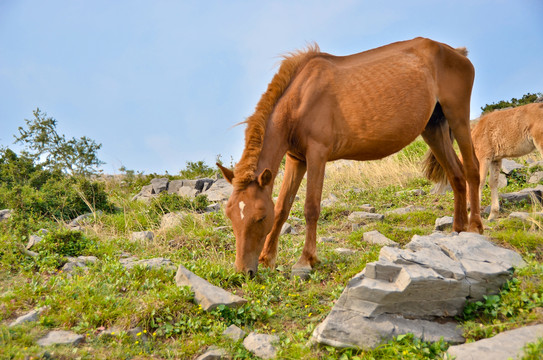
x=433 y=170
x=256 y=124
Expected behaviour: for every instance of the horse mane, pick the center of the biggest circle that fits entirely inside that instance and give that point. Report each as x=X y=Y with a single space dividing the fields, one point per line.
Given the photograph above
x=245 y=169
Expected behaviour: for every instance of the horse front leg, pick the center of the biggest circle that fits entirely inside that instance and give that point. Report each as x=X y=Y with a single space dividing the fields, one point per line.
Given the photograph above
x=294 y=173
x=316 y=163
x=493 y=180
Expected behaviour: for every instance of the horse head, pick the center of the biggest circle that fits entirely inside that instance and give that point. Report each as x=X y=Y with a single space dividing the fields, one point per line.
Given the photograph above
x=251 y=211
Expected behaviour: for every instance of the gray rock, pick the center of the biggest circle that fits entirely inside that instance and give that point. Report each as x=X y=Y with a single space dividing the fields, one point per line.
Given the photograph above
x=367 y=208
x=171 y=220
x=187 y=191
x=5 y=214
x=345 y=251
x=233 y=332
x=405 y=289
x=522 y=215
x=143 y=236
x=443 y=223
x=536 y=177
x=288 y=229
x=213 y=207
x=31 y=316
x=506 y=345
x=416 y=192
x=406 y=210
x=159 y=185
x=174 y=186
x=356 y=216
x=329 y=201
x=155 y=263
x=509 y=165
x=80 y=220
x=348 y=329
x=213 y=353
x=375 y=237
x=61 y=337
x=79 y=262
x=220 y=190
x=323 y=239
x=261 y=345
x=33 y=240
x=502 y=181
x=205 y=294
x=203 y=184
x=528 y=195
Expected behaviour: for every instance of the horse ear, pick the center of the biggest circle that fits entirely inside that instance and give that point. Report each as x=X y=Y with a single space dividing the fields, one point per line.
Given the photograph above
x=227 y=173
x=265 y=177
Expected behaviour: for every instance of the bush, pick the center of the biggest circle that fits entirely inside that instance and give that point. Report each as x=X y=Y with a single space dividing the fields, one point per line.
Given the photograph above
x=166 y=203
x=56 y=245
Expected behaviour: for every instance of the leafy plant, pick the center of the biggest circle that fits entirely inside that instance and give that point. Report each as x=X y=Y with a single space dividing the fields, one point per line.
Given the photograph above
x=514 y=102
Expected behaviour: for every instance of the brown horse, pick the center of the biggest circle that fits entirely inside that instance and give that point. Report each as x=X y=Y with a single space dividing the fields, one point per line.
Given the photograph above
x=320 y=107
x=505 y=134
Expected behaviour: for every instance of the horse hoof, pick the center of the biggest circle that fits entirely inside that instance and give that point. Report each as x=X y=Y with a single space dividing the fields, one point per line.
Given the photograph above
x=303 y=273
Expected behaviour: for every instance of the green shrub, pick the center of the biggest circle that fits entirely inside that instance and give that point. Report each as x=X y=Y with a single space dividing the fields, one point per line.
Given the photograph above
x=166 y=203
x=56 y=245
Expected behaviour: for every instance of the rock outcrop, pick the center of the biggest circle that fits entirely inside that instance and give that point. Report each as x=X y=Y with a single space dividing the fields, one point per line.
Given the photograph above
x=406 y=290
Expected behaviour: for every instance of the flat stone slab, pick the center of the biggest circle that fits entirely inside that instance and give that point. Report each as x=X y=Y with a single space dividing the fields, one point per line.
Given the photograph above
x=506 y=345
x=154 y=263
x=445 y=222
x=213 y=353
x=366 y=333
x=406 y=210
x=207 y=295
x=364 y=215
x=375 y=237
x=406 y=289
x=31 y=316
x=61 y=337
x=261 y=345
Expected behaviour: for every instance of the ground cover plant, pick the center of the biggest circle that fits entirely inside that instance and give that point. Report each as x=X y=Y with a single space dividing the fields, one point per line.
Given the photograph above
x=106 y=296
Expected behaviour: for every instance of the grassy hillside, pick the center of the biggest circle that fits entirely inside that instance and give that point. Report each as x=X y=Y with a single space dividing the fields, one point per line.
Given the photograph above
x=107 y=296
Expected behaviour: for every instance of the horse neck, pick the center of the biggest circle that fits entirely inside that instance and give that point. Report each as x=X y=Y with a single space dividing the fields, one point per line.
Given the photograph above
x=273 y=150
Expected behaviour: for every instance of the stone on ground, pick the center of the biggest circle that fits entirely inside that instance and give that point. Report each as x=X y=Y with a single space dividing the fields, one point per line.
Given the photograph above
x=363 y=215
x=61 y=337
x=406 y=289
x=509 y=165
x=261 y=345
x=142 y=236
x=155 y=263
x=31 y=316
x=205 y=294
x=506 y=345
x=443 y=223
x=213 y=353
x=375 y=237
x=406 y=210
x=234 y=333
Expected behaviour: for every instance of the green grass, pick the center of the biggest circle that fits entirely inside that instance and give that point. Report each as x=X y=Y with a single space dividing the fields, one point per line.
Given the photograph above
x=108 y=296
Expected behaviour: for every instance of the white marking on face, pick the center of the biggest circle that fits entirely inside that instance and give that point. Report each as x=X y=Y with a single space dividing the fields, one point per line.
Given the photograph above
x=241 y=205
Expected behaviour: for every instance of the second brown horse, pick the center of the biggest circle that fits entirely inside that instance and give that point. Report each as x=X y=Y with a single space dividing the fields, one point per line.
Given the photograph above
x=320 y=107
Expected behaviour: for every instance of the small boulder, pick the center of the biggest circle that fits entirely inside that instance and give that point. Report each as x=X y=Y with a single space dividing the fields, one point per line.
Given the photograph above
x=205 y=294
x=31 y=316
x=159 y=185
x=509 y=165
x=213 y=353
x=356 y=216
x=143 y=236
x=233 y=332
x=5 y=214
x=261 y=345
x=375 y=237
x=61 y=337
x=445 y=222
x=171 y=220
x=155 y=263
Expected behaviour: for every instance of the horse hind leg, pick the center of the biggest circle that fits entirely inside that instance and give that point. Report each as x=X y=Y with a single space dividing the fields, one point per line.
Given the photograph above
x=457 y=116
x=493 y=179
x=294 y=173
x=436 y=134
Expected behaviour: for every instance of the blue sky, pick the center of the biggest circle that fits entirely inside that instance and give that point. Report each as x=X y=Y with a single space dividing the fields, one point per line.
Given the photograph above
x=159 y=83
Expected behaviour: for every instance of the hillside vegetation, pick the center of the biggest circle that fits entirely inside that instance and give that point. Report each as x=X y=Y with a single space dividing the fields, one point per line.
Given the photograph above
x=107 y=296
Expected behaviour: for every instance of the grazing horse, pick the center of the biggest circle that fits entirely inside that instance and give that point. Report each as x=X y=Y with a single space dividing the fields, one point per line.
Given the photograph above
x=320 y=107
x=505 y=134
